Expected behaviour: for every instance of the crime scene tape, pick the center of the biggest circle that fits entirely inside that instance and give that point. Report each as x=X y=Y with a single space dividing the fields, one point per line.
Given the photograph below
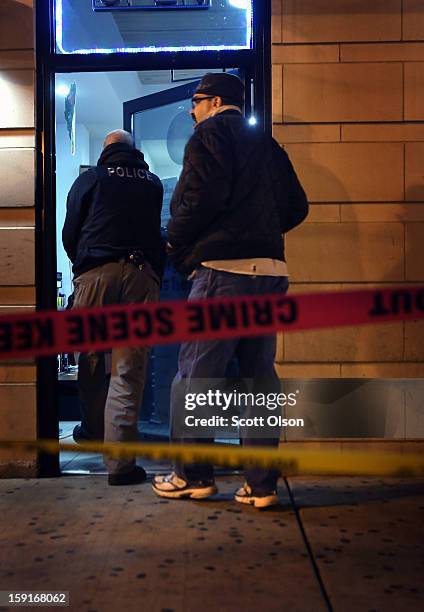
x=49 y=332
x=289 y=461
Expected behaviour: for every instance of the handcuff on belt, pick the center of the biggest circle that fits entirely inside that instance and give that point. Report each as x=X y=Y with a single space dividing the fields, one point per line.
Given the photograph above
x=138 y=259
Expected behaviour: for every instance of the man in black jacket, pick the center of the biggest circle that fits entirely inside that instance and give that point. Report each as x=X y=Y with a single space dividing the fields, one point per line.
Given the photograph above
x=112 y=236
x=237 y=195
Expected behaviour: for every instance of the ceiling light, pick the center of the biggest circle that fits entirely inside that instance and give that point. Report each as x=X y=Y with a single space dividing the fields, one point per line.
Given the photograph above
x=240 y=4
x=62 y=89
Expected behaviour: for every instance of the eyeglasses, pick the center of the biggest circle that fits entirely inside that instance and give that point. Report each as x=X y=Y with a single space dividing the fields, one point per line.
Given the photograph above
x=195 y=101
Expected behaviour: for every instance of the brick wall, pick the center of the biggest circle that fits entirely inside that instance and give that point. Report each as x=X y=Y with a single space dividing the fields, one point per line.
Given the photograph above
x=17 y=193
x=348 y=106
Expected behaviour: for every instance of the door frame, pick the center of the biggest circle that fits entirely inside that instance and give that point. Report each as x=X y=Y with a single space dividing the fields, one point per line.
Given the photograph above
x=255 y=62
x=169 y=96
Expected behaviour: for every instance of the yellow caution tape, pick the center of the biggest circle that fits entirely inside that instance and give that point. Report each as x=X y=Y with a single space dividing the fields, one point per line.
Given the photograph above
x=289 y=461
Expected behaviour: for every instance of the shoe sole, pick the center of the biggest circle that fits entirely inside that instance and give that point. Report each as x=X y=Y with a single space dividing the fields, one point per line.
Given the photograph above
x=258 y=502
x=135 y=477
x=187 y=493
x=126 y=483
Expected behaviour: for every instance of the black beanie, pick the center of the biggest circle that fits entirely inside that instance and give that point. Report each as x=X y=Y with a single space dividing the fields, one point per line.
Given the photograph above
x=227 y=86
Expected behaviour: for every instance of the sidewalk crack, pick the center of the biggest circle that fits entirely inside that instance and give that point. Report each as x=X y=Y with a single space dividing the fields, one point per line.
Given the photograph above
x=309 y=548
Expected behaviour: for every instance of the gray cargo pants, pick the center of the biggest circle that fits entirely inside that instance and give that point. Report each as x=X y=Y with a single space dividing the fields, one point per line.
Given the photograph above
x=119 y=400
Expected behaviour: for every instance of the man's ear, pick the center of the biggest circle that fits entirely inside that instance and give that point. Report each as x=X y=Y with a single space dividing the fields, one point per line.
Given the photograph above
x=218 y=102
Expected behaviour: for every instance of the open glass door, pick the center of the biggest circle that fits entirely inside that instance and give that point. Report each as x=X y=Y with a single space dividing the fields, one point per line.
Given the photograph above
x=161 y=125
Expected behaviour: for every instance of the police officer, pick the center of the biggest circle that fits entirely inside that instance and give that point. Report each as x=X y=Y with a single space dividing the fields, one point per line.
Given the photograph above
x=112 y=236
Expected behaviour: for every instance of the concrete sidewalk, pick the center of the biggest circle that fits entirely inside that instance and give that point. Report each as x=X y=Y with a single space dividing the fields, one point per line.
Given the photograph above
x=348 y=544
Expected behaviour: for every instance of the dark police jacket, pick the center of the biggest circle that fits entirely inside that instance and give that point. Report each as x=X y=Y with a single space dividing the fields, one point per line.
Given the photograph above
x=237 y=194
x=113 y=209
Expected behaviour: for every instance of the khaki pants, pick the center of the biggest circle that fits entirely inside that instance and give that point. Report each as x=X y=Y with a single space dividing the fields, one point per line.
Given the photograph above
x=116 y=403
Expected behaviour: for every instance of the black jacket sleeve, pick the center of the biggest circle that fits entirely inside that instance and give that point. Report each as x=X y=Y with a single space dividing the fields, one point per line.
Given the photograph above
x=204 y=188
x=162 y=254
x=291 y=198
x=76 y=211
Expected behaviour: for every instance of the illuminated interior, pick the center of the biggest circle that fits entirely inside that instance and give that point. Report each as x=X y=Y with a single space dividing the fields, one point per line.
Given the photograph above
x=133 y=26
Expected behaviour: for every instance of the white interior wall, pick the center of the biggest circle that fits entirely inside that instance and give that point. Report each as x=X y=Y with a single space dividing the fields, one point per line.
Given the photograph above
x=67 y=170
x=96 y=147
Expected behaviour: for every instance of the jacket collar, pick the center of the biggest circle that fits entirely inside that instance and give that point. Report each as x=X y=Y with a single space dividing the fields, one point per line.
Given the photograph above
x=228 y=108
x=121 y=153
x=223 y=110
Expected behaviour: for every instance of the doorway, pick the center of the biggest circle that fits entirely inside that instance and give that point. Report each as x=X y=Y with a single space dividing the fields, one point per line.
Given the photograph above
x=121 y=54
x=161 y=124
